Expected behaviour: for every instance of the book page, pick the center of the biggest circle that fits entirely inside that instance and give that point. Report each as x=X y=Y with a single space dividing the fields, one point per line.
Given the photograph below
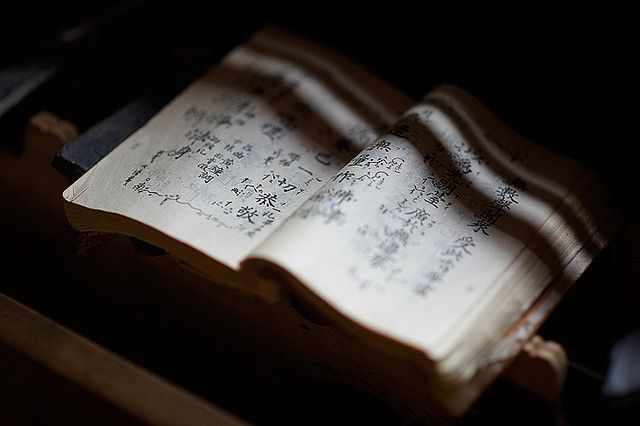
x=422 y=234
x=240 y=149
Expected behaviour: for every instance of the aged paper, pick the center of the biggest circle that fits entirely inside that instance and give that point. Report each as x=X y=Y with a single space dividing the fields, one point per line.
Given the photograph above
x=240 y=149
x=431 y=224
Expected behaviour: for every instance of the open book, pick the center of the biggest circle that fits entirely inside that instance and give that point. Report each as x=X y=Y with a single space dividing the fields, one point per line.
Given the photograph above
x=428 y=229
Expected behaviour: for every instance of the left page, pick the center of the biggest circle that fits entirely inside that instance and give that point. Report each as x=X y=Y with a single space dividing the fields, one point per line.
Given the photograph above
x=240 y=149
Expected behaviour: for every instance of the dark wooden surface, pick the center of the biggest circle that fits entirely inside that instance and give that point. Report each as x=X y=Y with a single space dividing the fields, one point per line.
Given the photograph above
x=52 y=374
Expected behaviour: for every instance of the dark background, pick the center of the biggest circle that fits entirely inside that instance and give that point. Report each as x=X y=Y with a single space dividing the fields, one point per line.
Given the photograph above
x=563 y=74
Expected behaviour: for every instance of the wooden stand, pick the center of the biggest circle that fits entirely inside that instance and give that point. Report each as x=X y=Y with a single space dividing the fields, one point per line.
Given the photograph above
x=540 y=367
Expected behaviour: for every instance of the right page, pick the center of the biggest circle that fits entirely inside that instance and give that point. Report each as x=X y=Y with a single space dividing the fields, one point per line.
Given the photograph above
x=441 y=233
